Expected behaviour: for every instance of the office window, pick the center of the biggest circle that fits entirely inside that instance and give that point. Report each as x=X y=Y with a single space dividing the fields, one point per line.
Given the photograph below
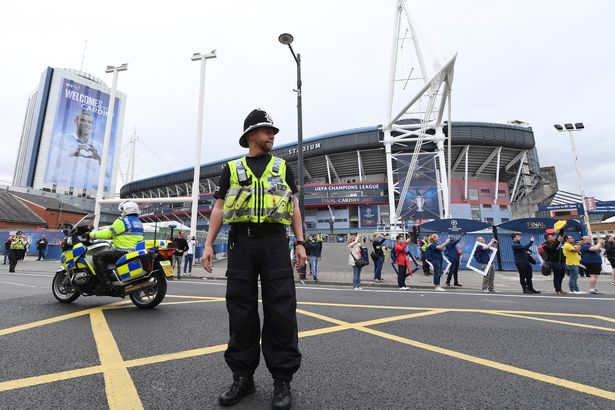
x=473 y=194
x=485 y=191
x=505 y=220
x=489 y=220
x=503 y=208
x=486 y=207
x=501 y=193
x=475 y=212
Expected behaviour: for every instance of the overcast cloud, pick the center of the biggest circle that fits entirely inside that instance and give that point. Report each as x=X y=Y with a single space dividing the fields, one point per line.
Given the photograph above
x=540 y=62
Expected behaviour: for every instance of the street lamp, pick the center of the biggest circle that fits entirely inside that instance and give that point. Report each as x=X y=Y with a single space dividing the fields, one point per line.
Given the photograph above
x=287 y=39
x=569 y=128
x=107 y=141
x=199 y=136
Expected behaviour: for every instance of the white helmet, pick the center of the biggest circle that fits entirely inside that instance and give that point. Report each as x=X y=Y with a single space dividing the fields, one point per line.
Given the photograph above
x=128 y=208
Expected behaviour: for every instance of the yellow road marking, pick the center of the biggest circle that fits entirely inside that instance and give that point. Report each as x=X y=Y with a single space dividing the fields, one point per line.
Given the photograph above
x=121 y=391
x=54 y=319
x=608 y=329
x=583 y=388
x=49 y=378
x=483 y=362
x=175 y=356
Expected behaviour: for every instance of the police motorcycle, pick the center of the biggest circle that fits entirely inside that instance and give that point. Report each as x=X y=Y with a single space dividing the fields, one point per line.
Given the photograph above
x=140 y=274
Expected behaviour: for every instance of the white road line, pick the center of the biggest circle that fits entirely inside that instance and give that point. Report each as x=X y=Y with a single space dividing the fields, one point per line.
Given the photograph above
x=421 y=291
x=27 y=274
x=18 y=284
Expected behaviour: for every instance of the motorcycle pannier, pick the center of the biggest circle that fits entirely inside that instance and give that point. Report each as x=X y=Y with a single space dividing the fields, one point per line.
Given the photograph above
x=133 y=265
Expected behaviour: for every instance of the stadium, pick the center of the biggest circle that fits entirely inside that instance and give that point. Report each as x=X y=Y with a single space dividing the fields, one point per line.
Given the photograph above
x=493 y=166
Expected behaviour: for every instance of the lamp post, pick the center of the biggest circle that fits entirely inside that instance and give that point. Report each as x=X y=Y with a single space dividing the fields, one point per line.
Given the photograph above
x=199 y=137
x=569 y=128
x=287 y=39
x=107 y=141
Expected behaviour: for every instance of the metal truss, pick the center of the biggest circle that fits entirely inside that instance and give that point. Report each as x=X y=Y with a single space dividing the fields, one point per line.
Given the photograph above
x=425 y=109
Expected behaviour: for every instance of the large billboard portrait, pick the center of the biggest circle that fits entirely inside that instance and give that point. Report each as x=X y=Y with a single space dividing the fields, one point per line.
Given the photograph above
x=77 y=137
x=422 y=199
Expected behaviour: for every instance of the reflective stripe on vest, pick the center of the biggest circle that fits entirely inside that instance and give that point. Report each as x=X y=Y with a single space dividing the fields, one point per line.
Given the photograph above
x=249 y=199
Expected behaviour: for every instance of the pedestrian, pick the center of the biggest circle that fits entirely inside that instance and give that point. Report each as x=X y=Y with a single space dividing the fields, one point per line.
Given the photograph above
x=424 y=245
x=609 y=252
x=7 y=249
x=453 y=254
x=573 y=259
x=257 y=198
x=591 y=258
x=18 y=244
x=522 y=256
x=554 y=256
x=189 y=256
x=482 y=255
x=378 y=252
x=401 y=260
x=355 y=259
x=41 y=246
x=26 y=245
x=434 y=256
x=314 y=251
x=181 y=246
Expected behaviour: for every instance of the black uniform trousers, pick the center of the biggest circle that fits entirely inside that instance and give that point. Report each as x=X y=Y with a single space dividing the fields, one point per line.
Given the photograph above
x=104 y=258
x=268 y=256
x=525 y=275
x=14 y=256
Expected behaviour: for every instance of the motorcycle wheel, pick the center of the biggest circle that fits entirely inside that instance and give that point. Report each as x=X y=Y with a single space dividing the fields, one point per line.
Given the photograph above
x=149 y=298
x=64 y=293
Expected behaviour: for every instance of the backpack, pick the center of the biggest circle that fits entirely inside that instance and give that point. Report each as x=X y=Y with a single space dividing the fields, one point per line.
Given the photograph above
x=541 y=249
x=393 y=254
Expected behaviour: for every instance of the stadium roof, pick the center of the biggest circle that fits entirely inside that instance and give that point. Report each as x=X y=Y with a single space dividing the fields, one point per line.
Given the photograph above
x=341 y=148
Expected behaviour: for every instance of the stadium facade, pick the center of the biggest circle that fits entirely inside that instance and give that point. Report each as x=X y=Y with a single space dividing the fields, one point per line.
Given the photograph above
x=494 y=166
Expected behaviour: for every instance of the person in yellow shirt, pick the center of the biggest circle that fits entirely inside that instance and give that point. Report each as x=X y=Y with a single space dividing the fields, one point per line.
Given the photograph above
x=573 y=259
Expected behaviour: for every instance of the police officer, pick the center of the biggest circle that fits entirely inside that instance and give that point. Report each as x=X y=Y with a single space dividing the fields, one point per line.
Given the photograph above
x=18 y=246
x=256 y=197
x=126 y=232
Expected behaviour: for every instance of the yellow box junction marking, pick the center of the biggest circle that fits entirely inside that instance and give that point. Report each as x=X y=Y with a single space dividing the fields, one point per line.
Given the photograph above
x=122 y=394
x=121 y=391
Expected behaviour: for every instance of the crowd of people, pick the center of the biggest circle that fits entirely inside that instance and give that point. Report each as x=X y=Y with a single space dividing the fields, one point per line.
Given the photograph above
x=560 y=256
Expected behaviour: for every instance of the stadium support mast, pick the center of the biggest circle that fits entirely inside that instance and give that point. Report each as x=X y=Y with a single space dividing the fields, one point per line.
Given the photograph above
x=425 y=109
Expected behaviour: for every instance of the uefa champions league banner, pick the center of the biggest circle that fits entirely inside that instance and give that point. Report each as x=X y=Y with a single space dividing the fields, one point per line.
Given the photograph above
x=77 y=138
x=368 y=216
x=422 y=200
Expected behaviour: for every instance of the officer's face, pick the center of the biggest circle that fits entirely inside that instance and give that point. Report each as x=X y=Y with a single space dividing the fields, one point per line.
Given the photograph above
x=263 y=138
x=83 y=126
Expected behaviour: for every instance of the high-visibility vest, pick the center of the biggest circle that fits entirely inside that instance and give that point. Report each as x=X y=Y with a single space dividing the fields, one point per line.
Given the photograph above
x=424 y=245
x=126 y=232
x=17 y=244
x=267 y=199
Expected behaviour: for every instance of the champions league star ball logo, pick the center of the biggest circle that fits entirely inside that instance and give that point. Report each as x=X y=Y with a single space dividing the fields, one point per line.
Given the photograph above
x=454 y=227
x=368 y=213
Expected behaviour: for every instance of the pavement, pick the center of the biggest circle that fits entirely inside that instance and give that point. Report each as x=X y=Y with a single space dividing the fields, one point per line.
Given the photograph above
x=374 y=349
x=333 y=270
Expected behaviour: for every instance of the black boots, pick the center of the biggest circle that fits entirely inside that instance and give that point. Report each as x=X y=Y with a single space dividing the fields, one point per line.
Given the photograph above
x=244 y=386
x=241 y=387
x=281 y=395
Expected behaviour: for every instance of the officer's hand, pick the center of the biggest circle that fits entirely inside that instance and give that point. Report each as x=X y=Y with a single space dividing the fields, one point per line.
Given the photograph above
x=208 y=259
x=300 y=257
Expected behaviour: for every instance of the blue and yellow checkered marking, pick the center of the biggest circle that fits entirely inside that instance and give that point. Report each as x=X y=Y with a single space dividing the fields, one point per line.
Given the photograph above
x=145 y=245
x=70 y=257
x=131 y=269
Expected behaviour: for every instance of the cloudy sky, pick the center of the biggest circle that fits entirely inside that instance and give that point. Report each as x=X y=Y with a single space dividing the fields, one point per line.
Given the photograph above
x=540 y=62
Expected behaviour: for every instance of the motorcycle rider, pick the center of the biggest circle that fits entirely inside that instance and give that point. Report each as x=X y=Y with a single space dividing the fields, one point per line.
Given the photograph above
x=125 y=232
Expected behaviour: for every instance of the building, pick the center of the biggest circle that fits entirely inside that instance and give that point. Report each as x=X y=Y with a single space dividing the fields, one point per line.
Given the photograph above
x=63 y=134
x=54 y=212
x=15 y=215
x=493 y=167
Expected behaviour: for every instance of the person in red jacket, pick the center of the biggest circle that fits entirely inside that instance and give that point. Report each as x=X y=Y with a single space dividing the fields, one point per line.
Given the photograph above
x=401 y=261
